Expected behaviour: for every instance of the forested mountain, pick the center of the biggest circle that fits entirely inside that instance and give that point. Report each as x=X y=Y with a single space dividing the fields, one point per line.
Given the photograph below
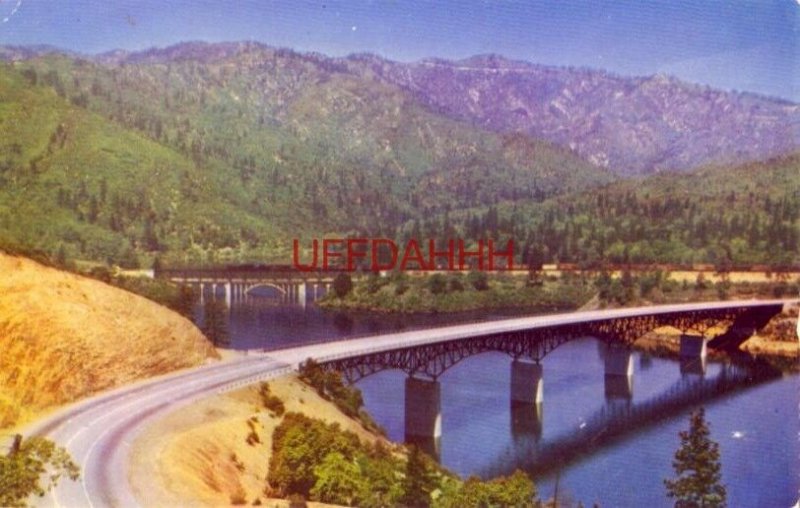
x=727 y=216
x=631 y=125
x=241 y=150
x=225 y=152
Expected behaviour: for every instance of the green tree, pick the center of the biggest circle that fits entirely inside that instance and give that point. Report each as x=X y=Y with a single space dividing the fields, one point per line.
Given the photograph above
x=299 y=445
x=129 y=259
x=380 y=469
x=437 y=284
x=338 y=481
x=28 y=462
x=185 y=300
x=61 y=256
x=375 y=282
x=420 y=479
x=698 y=482
x=215 y=322
x=478 y=280
x=516 y=490
x=342 y=285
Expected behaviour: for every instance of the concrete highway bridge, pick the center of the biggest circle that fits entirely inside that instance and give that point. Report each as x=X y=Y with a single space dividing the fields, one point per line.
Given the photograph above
x=427 y=354
x=98 y=431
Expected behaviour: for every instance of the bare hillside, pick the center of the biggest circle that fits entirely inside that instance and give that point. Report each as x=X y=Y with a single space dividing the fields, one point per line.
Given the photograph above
x=64 y=337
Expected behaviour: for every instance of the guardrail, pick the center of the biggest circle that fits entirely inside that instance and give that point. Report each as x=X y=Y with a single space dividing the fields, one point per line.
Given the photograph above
x=249 y=380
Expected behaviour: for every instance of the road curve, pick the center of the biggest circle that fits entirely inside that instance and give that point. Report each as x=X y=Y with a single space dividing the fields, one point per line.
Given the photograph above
x=98 y=431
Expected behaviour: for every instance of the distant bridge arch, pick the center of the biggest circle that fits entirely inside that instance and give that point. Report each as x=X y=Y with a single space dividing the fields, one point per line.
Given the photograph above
x=238 y=281
x=278 y=287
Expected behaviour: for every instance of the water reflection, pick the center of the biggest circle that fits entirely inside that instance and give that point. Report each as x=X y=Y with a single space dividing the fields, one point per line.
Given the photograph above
x=267 y=319
x=615 y=421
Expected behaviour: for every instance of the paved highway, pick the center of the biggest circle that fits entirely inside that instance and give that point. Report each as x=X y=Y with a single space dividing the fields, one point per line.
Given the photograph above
x=98 y=431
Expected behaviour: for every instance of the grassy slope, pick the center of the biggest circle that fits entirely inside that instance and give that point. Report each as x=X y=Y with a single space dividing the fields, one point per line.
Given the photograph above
x=60 y=335
x=203 y=456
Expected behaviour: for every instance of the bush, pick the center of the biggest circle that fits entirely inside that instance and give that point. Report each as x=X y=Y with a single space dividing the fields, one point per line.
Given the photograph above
x=437 y=284
x=375 y=282
x=454 y=283
x=342 y=285
x=271 y=402
x=478 y=280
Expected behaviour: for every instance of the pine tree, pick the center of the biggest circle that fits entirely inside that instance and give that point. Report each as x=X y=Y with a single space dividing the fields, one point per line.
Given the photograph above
x=419 y=481
x=697 y=465
x=215 y=325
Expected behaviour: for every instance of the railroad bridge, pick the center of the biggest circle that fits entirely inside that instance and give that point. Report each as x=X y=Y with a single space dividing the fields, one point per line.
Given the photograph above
x=234 y=282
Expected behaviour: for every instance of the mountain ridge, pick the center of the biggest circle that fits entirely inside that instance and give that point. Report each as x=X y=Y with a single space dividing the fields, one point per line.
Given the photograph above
x=629 y=124
x=246 y=146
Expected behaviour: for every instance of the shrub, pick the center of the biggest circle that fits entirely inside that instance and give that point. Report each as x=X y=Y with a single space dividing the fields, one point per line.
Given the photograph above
x=342 y=285
x=271 y=402
x=437 y=284
x=478 y=280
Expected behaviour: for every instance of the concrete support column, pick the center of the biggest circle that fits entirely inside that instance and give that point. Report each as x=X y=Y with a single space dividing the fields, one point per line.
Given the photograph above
x=228 y=294
x=693 y=346
x=423 y=415
x=693 y=354
x=527 y=384
x=202 y=292
x=301 y=295
x=527 y=396
x=618 y=373
x=527 y=420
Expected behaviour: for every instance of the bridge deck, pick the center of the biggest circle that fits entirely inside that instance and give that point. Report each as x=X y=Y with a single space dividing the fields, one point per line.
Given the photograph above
x=327 y=352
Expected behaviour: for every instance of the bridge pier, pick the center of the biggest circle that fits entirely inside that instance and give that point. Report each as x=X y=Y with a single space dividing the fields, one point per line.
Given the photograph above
x=301 y=295
x=693 y=346
x=527 y=397
x=527 y=382
x=618 y=373
x=227 y=286
x=423 y=415
x=693 y=354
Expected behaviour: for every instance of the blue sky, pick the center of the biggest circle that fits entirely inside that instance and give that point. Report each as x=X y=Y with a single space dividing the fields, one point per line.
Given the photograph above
x=748 y=45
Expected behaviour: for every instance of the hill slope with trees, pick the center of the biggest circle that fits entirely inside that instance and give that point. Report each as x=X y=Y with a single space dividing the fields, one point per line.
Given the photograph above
x=223 y=153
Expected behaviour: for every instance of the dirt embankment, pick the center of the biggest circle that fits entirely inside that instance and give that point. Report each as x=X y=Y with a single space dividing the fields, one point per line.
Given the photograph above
x=777 y=341
x=216 y=452
x=63 y=337
x=779 y=338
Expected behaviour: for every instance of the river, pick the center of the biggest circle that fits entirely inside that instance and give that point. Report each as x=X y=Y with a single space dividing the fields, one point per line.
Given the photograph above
x=757 y=427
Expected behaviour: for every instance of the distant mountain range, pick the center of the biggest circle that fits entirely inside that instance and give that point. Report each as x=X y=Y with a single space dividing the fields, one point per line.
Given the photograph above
x=235 y=148
x=631 y=125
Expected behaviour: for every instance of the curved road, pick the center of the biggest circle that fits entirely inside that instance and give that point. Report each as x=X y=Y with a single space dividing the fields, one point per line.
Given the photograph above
x=98 y=431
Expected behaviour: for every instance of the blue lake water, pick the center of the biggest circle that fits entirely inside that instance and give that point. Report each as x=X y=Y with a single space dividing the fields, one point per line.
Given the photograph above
x=757 y=428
